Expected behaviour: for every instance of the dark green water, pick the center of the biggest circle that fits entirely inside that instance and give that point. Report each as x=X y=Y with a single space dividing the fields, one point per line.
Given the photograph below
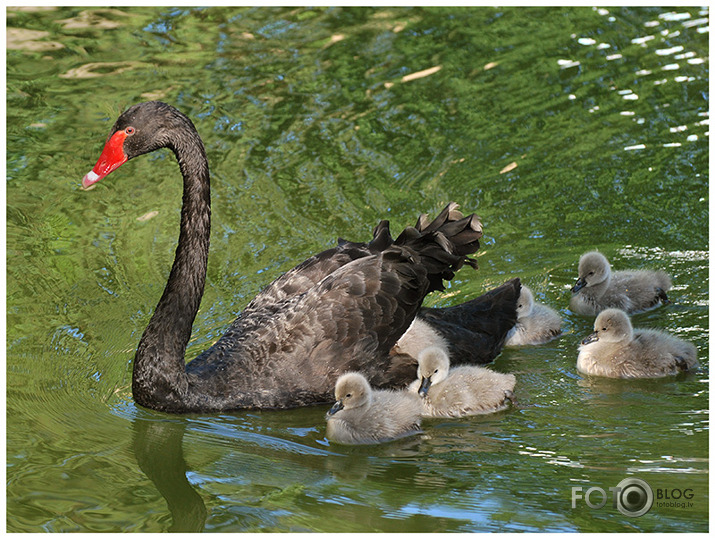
x=312 y=134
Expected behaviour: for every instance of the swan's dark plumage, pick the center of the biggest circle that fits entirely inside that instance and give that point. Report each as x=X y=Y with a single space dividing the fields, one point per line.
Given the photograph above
x=343 y=309
x=323 y=318
x=476 y=329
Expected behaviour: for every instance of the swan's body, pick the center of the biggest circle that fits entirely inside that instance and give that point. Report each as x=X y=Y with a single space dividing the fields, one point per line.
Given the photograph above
x=535 y=323
x=631 y=291
x=362 y=415
x=340 y=310
x=459 y=391
x=616 y=350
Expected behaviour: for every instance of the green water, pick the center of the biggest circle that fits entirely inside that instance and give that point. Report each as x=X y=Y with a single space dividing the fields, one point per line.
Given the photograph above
x=565 y=129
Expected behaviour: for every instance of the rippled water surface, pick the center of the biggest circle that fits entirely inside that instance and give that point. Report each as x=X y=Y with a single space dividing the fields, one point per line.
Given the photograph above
x=565 y=129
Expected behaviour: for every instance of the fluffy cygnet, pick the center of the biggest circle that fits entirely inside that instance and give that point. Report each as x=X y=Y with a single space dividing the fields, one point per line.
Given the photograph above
x=461 y=391
x=535 y=323
x=597 y=288
x=616 y=350
x=362 y=415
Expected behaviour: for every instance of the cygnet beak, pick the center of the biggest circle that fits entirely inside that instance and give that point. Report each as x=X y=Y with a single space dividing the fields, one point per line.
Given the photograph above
x=336 y=407
x=424 y=387
x=593 y=337
x=579 y=285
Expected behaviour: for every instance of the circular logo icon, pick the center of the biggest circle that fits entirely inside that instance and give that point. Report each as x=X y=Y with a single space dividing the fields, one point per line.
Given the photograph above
x=635 y=497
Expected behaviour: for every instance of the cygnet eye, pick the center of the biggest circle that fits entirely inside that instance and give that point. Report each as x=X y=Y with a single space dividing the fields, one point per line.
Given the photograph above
x=604 y=329
x=348 y=395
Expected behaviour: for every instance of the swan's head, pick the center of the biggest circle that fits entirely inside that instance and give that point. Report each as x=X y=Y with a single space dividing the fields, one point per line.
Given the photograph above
x=526 y=302
x=593 y=269
x=432 y=368
x=141 y=129
x=611 y=325
x=352 y=390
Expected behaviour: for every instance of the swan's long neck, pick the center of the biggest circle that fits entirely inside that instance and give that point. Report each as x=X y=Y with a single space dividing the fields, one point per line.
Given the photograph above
x=159 y=374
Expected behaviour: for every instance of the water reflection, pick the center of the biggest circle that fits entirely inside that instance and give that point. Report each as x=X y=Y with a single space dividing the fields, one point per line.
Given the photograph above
x=159 y=452
x=612 y=391
x=99 y=69
x=30 y=40
x=267 y=470
x=94 y=19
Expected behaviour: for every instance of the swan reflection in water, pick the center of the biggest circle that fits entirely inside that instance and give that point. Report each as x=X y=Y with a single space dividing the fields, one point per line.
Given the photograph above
x=159 y=452
x=261 y=470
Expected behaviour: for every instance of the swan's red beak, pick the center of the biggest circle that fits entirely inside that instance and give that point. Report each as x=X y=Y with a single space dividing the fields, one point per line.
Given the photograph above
x=112 y=158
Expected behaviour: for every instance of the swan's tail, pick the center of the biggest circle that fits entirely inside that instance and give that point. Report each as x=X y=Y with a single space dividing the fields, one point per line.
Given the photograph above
x=442 y=245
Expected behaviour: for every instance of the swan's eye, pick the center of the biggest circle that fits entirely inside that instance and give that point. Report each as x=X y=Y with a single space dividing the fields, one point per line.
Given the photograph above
x=604 y=329
x=129 y=130
x=436 y=371
x=590 y=273
x=348 y=395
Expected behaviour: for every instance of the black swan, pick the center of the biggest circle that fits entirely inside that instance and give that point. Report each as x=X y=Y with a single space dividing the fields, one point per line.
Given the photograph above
x=341 y=310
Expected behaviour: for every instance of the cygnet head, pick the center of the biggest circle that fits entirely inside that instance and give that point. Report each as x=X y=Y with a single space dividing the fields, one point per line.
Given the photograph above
x=432 y=368
x=352 y=390
x=593 y=269
x=611 y=325
x=526 y=302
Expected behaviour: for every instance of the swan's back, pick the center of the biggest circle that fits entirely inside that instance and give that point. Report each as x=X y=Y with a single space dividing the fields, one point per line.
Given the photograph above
x=643 y=288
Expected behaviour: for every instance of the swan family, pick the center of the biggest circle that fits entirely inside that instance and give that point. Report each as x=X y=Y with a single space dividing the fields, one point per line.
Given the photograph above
x=348 y=323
